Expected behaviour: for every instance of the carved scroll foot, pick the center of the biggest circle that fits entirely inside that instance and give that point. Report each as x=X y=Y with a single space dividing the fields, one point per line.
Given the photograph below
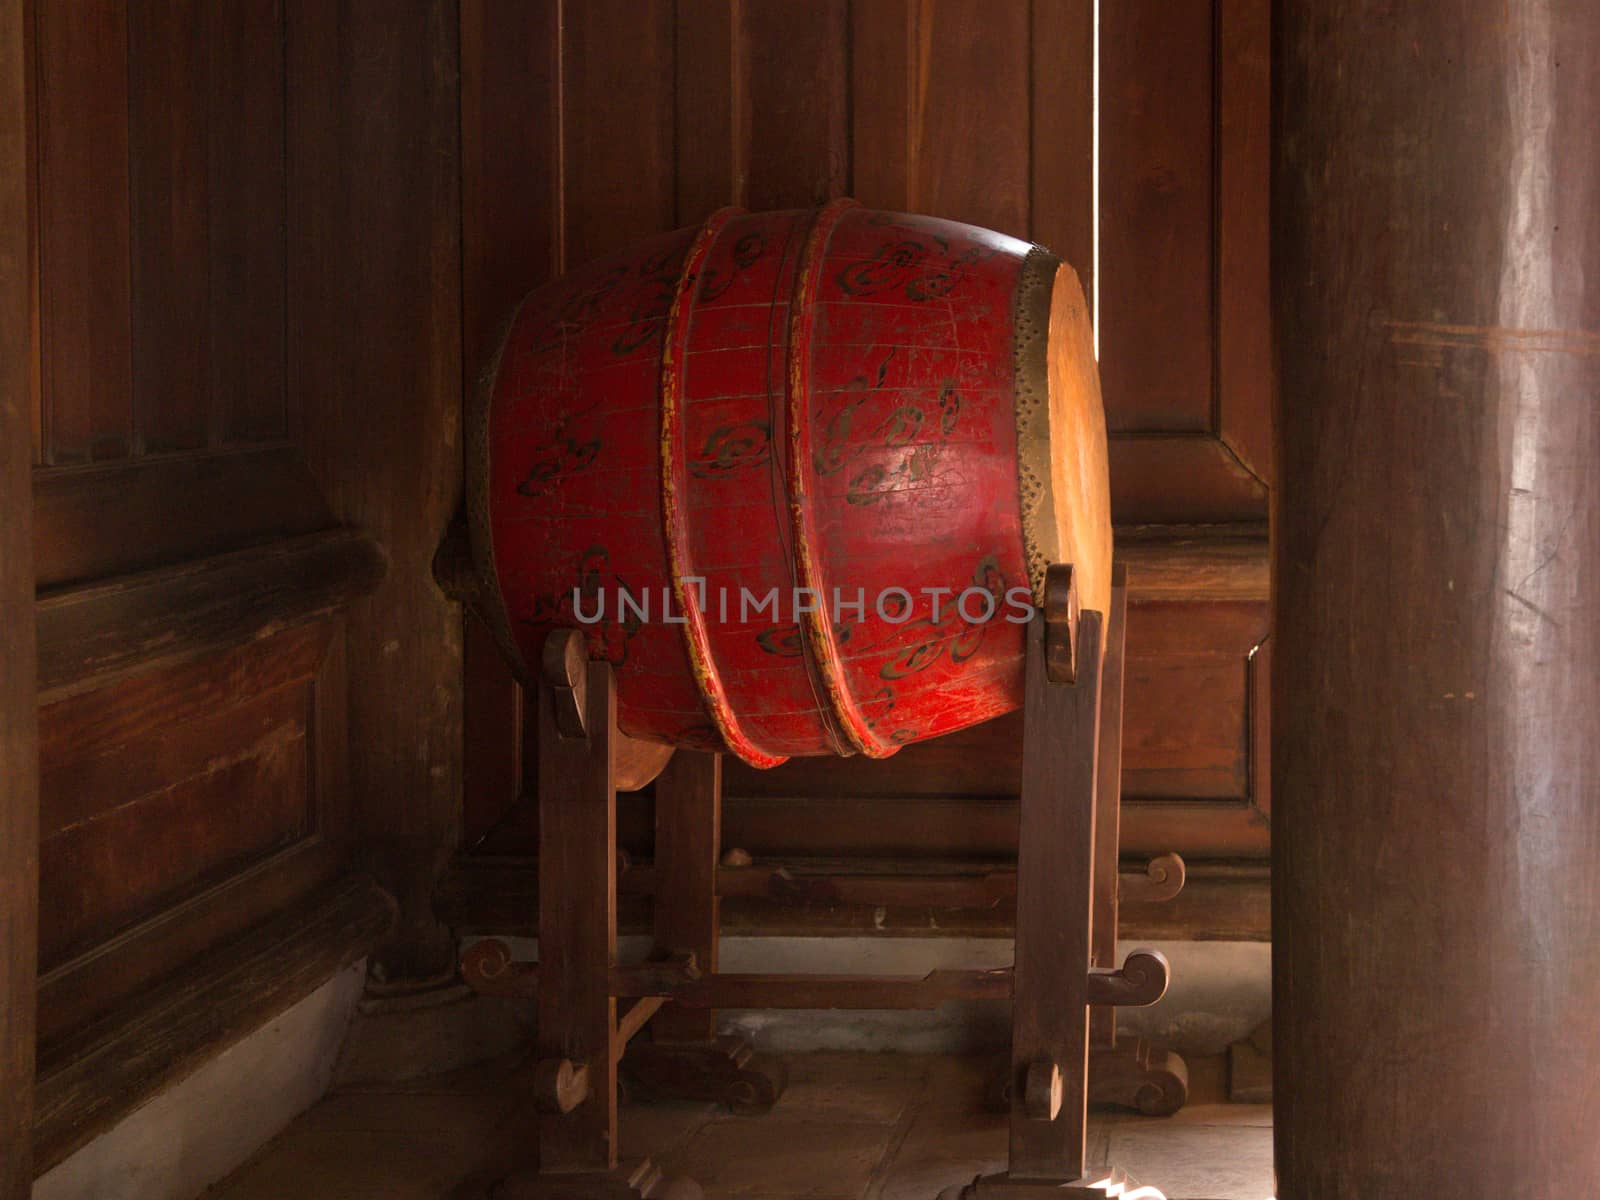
x=1134 y=1074
x=725 y=1070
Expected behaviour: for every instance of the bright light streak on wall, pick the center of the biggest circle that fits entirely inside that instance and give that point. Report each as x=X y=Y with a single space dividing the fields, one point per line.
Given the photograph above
x=1094 y=184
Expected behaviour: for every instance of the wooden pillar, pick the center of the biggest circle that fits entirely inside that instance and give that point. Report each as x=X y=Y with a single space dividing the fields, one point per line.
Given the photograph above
x=19 y=765
x=1436 y=690
x=374 y=347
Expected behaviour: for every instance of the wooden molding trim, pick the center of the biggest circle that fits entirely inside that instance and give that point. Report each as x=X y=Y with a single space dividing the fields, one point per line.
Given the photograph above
x=1189 y=563
x=89 y=1080
x=87 y=985
x=949 y=826
x=93 y=633
x=90 y=522
x=1221 y=901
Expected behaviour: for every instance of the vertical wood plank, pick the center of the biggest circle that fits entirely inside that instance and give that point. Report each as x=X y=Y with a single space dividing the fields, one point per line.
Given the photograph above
x=688 y=847
x=375 y=351
x=578 y=921
x=510 y=208
x=82 y=89
x=617 y=125
x=969 y=113
x=19 y=767
x=169 y=224
x=1244 y=160
x=712 y=106
x=245 y=157
x=1049 y=1011
x=881 y=60
x=26 y=40
x=1157 y=142
x=509 y=183
x=941 y=109
x=1061 y=132
x=797 y=73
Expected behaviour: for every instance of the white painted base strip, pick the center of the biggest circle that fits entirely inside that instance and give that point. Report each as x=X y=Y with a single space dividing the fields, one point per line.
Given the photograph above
x=203 y=1127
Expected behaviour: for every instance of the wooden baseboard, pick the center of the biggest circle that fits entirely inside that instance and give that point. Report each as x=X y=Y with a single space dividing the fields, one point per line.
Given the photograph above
x=89 y=1079
x=1221 y=901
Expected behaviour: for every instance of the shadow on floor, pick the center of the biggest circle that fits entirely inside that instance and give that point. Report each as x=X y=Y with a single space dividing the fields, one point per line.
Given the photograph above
x=849 y=1127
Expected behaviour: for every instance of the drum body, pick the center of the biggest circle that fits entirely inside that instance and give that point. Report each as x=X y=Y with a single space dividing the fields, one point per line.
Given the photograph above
x=797 y=475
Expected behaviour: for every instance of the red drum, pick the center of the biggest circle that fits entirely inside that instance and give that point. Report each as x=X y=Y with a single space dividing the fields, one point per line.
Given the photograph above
x=798 y=475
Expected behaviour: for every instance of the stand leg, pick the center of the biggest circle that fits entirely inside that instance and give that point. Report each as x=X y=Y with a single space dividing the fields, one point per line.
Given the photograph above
x=681 y=1056
x=1050 y=1013
x=1127 y=1072
x=578 y=921
x=578 y=1038
x=1049 y=1070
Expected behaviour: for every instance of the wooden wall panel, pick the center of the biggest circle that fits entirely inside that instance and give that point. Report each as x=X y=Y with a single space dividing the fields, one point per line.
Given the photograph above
x=510 y=240
x=942 y=109
x=245 y=143
x=157 y=785
x=984 y=113
x=1061 y=151
x=1184 y=328
x=795 y=60
x=236 y=788
x=170 y=202
x=1192 y=698
x=711 y=100
x=84 y=229
x=616 y=125
x=1244 y=310
x=193 y=760
x=1156 y=216
x=762 y=96
x=206 y=134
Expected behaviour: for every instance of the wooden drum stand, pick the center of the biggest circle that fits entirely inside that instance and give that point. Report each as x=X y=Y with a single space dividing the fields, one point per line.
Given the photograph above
x=1065 y=936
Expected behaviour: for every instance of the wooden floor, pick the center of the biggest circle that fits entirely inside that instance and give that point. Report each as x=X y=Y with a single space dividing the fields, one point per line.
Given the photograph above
x=856 y=1126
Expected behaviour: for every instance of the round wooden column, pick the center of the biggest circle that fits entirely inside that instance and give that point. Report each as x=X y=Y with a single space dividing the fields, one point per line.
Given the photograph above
x=1436 y=692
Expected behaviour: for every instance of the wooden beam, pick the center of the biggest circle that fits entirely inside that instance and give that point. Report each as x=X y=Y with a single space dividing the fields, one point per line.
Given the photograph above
x=1220 y=901
x=88 y=1081
x=819 y=991
x=1200 y=562
x=19 y=765
x=92 y=634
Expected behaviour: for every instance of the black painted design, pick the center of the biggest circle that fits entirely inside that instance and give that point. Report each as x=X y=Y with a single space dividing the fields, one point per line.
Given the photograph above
x=746 y=251
x=658 y=276
x=731 y=448
x=565 y=456
x=911 y=263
